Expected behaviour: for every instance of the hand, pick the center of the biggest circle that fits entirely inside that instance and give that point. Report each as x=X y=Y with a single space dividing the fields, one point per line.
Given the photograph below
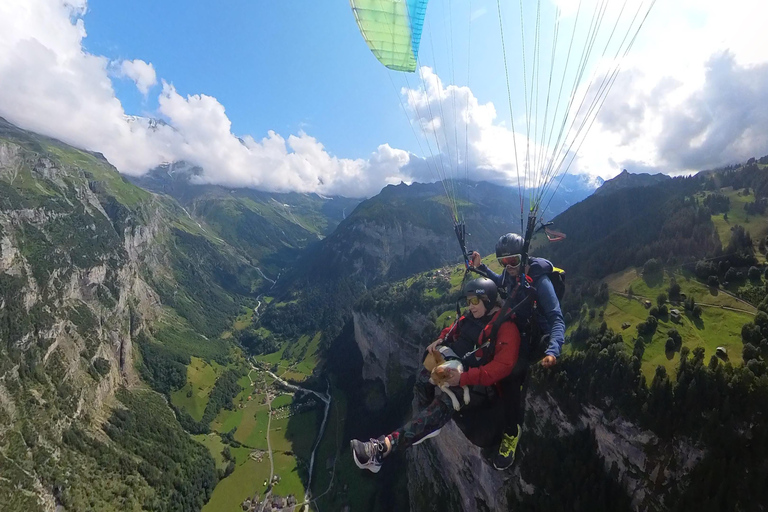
x=475 y=260
x=453 y=377
x=433 y=346
x=548 y=361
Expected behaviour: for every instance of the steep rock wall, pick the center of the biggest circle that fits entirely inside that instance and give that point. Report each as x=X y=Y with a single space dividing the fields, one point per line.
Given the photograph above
x=71 y=294
x=381 y=347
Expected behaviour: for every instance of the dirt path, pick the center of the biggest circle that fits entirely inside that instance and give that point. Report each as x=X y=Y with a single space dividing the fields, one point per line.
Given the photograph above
x=641 y=298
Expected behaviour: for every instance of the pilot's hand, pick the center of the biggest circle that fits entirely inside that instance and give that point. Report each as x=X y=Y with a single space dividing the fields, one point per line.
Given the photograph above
x=548 y=361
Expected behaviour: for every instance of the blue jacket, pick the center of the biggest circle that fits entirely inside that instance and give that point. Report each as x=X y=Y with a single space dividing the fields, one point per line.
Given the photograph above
x=549 y=317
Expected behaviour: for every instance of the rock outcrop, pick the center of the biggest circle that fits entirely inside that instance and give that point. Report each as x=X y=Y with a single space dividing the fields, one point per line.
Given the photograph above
x=72 y=298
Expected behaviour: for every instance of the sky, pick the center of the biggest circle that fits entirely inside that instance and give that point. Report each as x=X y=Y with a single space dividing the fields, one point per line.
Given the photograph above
x=286 y=96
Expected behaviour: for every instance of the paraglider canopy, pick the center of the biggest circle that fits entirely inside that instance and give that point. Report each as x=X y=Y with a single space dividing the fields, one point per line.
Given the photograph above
x=392 y=30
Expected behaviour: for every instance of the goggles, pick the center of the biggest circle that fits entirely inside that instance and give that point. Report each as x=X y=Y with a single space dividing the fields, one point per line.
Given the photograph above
x=473 y=300
x=513 y=260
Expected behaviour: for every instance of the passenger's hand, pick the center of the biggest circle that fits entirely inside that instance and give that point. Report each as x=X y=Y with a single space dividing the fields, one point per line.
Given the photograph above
x=433 y=346
x=475 y=260
x=548 y=361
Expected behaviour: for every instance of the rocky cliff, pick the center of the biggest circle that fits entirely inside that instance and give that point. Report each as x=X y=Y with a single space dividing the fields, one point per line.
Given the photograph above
x=383 y=349
x=83 y=254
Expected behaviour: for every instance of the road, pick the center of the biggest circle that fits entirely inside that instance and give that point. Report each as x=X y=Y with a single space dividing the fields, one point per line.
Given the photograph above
x=326 y=398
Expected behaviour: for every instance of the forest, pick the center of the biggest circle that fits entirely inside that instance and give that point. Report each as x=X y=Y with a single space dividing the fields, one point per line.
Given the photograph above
x=718 y=404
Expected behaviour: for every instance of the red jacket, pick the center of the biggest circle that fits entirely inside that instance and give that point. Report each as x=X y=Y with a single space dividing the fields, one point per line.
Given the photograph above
x=504 y=358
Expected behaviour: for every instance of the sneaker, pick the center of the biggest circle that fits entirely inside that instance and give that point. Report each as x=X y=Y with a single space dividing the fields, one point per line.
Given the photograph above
x=428 y=436
x=506 y=454
x=368 y=454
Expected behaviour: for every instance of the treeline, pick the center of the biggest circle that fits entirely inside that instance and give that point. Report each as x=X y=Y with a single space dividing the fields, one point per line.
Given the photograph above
x=717 y=203
x=580 y=292
x=257 y=342
x=180 y=469
x=164 y=368
x=722 y=406
x=569 y=474
x=161 y=367
x=311 y=308
x=607 y=234
x=396 y=301
x=224 y=391
x=749 y=177
x=737 y=265
x=148 y=446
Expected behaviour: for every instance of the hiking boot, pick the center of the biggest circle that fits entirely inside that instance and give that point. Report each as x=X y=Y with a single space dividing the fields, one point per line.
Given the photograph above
x=506 y=454
x=368 y=454
x=428 y=436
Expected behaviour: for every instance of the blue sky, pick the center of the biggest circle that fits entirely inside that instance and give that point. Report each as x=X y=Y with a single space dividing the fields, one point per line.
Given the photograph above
x=286 y=95
x=287 y=66
x=273 y=65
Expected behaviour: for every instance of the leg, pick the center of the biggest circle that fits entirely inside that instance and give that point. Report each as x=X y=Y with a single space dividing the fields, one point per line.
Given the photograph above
x=432 y=413
x=514 y=403
x=513 y=396
x=423 y=390
x=425 y=421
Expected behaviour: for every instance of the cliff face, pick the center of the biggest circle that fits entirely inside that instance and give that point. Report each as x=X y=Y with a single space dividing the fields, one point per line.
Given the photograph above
x=371 y=250
x=382 y=348
x=447 y=473
x=71 y=299
x=89 y=265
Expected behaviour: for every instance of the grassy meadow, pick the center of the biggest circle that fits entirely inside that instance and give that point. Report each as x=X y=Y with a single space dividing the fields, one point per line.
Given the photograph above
x=720 y=324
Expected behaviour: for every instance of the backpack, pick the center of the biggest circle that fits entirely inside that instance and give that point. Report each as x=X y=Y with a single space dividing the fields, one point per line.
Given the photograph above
x=557 y=277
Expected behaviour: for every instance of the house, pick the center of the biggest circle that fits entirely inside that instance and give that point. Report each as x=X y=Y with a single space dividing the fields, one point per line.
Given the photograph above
x=674 y=314
x=647 y=304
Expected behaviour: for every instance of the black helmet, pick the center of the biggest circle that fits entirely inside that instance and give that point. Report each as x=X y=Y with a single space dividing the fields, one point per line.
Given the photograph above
x=509 y=244
x=483 y=288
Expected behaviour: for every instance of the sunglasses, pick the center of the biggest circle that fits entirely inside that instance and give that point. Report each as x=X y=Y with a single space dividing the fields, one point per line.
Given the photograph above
x=513 y=260
x=473 y=300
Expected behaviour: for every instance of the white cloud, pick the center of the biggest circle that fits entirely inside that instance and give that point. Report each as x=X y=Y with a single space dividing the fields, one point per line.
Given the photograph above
x=298 y=163
x=692 y=95
x=693 y=92
x=51 y=85
x=140 y=72
x=472 y=138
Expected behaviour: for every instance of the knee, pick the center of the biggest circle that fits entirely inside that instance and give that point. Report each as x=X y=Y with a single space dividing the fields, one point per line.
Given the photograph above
x=423 y=376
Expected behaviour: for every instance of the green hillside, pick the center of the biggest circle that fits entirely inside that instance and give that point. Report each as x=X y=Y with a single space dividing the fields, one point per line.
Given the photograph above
x=270 y=228
x=720 y=323
x=137 y=289
x=736 y=215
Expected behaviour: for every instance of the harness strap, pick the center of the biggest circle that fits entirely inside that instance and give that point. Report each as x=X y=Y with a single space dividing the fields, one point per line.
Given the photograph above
x=502 y=316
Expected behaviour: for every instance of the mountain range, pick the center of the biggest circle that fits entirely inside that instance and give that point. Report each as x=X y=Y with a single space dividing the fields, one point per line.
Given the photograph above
x=137 y=317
